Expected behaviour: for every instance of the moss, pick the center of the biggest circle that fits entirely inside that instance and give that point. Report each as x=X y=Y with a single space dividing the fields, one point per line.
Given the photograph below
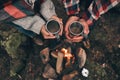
x=96 y=72
x=12 y=43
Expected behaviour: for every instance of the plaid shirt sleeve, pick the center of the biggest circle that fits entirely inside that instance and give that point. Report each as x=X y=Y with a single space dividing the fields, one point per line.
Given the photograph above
x=71 y=6
x=97 y=8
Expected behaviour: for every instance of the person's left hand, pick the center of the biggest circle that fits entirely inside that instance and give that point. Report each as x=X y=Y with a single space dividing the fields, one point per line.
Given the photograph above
x=76 y=38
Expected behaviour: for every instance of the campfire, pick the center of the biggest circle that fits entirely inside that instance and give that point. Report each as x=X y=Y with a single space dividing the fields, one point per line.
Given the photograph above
x=67 y=54
x=61 y=55
x=65 y=58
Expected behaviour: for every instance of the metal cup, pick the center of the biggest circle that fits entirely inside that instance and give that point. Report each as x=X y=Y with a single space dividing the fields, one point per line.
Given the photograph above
x=53 y=26
x=76 y=29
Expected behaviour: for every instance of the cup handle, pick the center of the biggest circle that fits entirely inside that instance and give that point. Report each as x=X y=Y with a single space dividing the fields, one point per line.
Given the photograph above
x=85 y=36
x=57 y=36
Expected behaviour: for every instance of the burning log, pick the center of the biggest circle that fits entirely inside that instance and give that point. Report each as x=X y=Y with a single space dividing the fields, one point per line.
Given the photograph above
x=81 y=57
x=60 y=55
x=59 y=62
x=67 y=55
x=54 y=54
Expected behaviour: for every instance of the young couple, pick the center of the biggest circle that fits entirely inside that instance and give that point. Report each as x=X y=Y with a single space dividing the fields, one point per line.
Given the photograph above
x=22 y=11
x=26 y=15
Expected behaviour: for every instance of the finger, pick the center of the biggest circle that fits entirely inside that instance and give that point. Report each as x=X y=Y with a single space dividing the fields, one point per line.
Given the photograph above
x=61 y=26
x=75 y=40
x=67 y=35
x=57 y=19
x=50 y=34
x=78 y=38
x=70 y=20
x=61 y=20
x=49 y=37
x=61 y=30
x=46 y=34
x=68 y=24
x=85 y=25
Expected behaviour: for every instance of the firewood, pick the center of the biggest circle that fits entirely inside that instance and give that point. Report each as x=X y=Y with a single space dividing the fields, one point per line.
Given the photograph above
x=86 y=43
x=54 y=54
x=59 y=62
x=69 y=49
x=44 y=54
x=49 y=72
x=70 y=76
x=68 y=63
x=81 y=57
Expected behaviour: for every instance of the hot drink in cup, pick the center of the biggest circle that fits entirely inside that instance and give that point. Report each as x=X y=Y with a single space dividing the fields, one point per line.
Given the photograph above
x=52 y=26
x=76 y=29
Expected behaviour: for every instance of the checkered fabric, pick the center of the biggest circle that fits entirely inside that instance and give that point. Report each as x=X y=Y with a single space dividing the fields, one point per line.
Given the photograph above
x=71 y=6
x=14 y=9
x=95 y=10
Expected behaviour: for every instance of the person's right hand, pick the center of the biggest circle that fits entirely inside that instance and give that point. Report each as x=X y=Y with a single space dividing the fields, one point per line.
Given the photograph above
x=46 y=34
x=76 y=38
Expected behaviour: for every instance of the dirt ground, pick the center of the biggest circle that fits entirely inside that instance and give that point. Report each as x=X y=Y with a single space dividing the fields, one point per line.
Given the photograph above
x=103 y=60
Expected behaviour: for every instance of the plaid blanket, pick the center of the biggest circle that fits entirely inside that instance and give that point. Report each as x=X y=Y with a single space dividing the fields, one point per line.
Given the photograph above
x=14 y=9
x=11 y=10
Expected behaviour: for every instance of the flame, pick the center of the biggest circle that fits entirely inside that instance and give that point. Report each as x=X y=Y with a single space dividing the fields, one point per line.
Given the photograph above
x=66 y=53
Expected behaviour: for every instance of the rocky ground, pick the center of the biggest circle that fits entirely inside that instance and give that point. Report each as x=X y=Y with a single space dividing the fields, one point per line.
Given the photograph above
x=103 y=60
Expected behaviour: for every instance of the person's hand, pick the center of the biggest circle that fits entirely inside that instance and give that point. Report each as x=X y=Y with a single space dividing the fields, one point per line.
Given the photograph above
x=60 y=22
x=70 y=20
x=48 y=35
x=75 y=38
